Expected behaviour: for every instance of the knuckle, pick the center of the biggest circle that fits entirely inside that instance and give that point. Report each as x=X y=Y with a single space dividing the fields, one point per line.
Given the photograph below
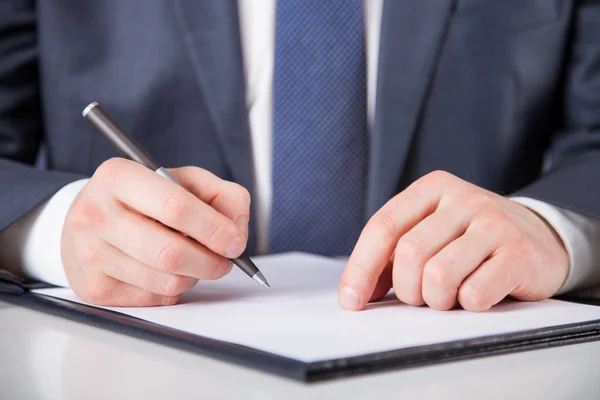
x=410 y=249
x=212 y=231
x=242 y=192
x=108 y=171
x=170 y=258
x=174 y=286
x=87 y=215
x=492 y=221
x=437 y=273
x=218 y=235
x=480 y=199
x=359 y=272
x=383 y=224
x=175 y=208
x=219 y=268
x=438 y=177
x=473 y=298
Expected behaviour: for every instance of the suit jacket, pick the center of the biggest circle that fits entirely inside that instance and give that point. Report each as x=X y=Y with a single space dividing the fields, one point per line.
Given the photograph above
x=504 y=94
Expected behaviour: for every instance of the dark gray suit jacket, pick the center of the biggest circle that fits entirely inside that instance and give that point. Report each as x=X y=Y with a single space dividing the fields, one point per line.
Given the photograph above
x=504 y=94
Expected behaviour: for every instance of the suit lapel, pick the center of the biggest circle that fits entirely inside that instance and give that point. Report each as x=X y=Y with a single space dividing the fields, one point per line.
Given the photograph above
x=411 y=37
x=211 y=33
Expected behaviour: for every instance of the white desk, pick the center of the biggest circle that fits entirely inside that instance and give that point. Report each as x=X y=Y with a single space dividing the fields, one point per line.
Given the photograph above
x=46 y=357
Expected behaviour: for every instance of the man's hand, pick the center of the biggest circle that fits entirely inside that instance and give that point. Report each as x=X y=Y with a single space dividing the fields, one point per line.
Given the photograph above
x=123 y=240
x=444 y=241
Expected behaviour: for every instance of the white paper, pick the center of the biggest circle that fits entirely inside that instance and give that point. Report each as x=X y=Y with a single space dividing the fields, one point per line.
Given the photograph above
x=299 y=317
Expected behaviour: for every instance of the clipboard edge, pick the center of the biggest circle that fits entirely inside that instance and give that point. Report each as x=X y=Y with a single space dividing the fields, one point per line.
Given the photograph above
x=312 y=372
x=170 y=337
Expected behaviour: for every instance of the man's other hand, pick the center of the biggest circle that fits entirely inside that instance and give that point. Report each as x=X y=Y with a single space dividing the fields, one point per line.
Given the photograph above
x=445 y=242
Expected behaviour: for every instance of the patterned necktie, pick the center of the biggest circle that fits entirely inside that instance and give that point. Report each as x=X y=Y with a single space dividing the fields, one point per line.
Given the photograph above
x=320 y=144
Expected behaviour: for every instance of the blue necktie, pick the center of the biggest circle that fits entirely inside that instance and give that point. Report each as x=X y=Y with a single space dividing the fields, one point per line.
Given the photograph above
x=319 y=129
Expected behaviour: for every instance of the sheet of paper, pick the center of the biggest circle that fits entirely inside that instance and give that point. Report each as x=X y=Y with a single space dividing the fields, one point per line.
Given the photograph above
x=299 y=316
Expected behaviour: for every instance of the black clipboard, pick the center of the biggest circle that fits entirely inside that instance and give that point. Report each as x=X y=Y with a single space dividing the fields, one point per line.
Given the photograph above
x=18 y=292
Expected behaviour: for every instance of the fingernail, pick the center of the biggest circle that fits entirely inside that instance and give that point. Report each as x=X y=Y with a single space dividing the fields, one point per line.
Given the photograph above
x=349 y=299
x=242 y=223
x=235 y=248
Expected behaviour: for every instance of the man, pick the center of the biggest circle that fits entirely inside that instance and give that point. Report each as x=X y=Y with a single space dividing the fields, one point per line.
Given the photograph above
x=450 y=147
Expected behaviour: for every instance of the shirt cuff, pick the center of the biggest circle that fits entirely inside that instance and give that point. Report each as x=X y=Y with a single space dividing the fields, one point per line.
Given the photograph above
x=580 y=235
x=31 y=246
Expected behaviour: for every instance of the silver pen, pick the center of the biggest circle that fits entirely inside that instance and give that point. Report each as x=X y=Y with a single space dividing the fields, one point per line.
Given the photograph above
x=131 y=150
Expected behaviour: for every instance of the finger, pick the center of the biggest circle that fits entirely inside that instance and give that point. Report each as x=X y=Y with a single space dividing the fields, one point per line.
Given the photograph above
x=165 y=250
x=444 y=273
x=172 y=205
x=106 y=291
x=489 y=284
x=384 y=284
x=123 y=268
x=421 y=243
x=378 y=239
x=508 y=272
x=228 y=198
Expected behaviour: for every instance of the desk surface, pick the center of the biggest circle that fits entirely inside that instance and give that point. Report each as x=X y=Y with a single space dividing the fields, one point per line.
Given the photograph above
x=46 y=357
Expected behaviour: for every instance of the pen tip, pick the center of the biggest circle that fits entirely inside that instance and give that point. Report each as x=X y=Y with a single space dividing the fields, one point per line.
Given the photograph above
x=260 y=278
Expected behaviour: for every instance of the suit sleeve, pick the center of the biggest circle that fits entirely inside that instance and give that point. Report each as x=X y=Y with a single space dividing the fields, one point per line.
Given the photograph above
x=572 y=180
x=22 y=185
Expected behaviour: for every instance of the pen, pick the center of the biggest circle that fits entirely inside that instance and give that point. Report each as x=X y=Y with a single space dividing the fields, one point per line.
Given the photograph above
x=131 y=150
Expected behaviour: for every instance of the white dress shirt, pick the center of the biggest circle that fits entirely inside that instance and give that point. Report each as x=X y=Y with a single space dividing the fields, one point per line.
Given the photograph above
x=31 y=246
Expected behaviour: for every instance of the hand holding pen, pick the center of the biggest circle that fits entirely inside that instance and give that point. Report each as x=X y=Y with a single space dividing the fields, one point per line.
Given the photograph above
x=134 y=237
